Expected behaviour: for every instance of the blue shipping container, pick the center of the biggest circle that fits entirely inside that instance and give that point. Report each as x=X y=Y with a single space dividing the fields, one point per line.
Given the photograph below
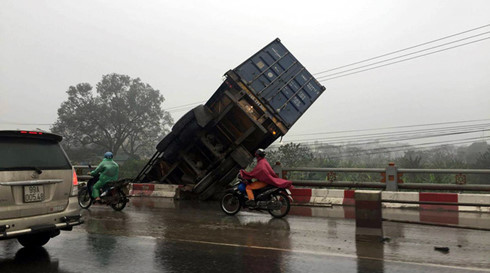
x=279 y=80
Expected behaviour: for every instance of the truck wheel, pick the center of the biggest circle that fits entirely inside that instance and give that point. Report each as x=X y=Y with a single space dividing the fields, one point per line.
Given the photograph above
x=203 y=115
x=224 y=167
x=182 y=122
x=172 y=151
x=189 y=132
x=228 y=177
x=204 y=183
x=165 y=142
x=212 y=191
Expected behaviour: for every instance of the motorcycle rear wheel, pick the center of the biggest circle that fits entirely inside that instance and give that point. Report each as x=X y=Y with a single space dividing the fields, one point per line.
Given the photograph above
x=84 y=199
x=121 y=201
x=285 y=205
x=230 y=204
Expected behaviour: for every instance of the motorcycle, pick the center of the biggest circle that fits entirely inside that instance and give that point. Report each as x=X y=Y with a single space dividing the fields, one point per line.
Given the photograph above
x=112 y=194
x=276 y=201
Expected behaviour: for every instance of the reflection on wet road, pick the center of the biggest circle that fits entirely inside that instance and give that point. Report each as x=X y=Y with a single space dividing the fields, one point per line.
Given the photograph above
x=159 y=235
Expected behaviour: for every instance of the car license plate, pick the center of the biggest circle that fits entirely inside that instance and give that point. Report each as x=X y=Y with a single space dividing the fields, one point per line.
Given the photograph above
x=33 y=193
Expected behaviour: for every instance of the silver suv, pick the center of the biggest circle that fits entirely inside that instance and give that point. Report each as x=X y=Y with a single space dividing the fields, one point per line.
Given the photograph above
x=38 y=188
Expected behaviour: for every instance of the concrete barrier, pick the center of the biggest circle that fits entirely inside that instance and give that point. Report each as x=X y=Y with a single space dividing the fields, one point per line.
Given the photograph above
x=323 y=197
x=153 y=190
x=369 y=222
x=338 y=197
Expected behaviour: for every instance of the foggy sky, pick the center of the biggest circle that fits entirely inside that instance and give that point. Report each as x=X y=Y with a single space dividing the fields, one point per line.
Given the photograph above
x=183 y=48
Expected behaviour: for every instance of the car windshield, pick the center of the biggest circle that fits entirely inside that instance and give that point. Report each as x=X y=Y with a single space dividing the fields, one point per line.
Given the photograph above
x=30 y=153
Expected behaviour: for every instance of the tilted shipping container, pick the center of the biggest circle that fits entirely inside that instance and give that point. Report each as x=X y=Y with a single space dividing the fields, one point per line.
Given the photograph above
x=257 y=103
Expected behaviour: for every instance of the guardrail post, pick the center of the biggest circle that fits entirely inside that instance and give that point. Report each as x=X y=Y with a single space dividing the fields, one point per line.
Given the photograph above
x=391 y=177
x=369 y=222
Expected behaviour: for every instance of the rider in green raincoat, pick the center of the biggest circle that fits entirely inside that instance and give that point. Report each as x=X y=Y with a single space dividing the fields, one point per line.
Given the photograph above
x=108 y=170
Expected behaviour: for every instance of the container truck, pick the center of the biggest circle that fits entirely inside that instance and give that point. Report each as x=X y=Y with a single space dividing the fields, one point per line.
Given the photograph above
x=258 y=102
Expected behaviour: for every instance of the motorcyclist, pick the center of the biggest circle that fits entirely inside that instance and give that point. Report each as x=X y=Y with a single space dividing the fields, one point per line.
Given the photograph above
x=108 y=170
x=264 y=176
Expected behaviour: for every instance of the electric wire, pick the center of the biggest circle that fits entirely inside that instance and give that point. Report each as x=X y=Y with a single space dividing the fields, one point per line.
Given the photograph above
x=431 y=131
x=424 y=146
x=401 y=50
x=404 y=60
x=401 y=56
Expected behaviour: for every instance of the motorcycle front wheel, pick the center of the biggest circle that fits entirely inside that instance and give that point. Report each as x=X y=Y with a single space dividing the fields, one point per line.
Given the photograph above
x=230 y=204
x=119 y=201
x=285 y=205
x=84 y=199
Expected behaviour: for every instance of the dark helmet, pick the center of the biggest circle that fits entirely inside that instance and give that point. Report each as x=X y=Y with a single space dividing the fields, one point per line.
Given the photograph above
x=260 y=153
x=108 y=155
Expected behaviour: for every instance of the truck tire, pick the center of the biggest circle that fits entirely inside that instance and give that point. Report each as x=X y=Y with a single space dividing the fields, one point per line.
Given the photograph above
x=189 y=132
x=223 y=168
x=210 y=192
x=215 y=175
x=203 y=115
x=200 y=114
x=162 y=145
x=182 y=122
x=229 y=177
x=172 y=151
x=204 y=183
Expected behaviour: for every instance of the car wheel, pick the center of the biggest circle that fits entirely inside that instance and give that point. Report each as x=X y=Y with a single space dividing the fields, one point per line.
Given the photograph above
x=34 y=240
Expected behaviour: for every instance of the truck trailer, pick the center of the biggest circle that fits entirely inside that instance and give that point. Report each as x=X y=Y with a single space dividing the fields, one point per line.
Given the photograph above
x=257 y=103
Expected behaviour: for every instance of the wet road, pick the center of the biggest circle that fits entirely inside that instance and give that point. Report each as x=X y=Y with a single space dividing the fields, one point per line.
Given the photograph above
x=159 y=235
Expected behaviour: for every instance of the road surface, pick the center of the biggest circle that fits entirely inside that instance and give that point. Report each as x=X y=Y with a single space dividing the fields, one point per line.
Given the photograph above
x=161 y=235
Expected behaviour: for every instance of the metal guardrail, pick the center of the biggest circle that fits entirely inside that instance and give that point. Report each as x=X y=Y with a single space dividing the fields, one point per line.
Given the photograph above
x=82 y=172
x=391 y=178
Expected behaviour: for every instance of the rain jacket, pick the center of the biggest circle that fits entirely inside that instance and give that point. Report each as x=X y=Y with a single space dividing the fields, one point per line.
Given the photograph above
x=263 y=172
x=108 y=170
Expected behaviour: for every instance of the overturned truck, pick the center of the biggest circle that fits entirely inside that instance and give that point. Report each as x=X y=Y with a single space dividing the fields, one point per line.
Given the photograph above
x=258 y=102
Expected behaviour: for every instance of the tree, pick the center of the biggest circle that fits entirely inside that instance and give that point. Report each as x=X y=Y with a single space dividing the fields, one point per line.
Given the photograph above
x=125 y=114
x=291 y=155
x=475 y=151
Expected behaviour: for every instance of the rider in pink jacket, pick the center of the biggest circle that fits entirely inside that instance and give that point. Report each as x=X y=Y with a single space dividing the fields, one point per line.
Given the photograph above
x=264 y=175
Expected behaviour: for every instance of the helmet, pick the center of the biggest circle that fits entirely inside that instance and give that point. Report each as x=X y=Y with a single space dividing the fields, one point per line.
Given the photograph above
x=108 y=155
x=260 y=153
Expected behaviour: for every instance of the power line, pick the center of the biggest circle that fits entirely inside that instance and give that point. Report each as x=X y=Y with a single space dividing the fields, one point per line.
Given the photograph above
x=393 y=127
x=322 y=144
x=396 y=133
x=401 y=50
x=408 y=59
x=184 y=105
x=405 y=148
x=401 y=56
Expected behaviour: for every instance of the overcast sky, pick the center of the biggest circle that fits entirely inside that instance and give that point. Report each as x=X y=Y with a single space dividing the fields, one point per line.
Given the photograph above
x=183 y=48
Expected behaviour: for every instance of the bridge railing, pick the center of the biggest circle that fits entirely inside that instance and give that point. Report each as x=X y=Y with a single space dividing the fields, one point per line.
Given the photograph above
x=83 y=172
x=391 y=178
